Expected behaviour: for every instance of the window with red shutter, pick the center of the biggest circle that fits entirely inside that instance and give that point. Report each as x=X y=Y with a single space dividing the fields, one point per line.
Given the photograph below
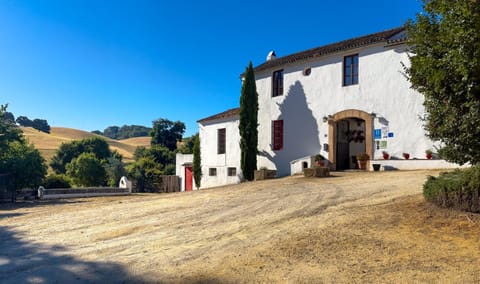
x=277 y=135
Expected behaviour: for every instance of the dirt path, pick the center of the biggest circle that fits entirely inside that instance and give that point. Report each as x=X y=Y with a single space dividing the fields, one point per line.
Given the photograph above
x=354 y=227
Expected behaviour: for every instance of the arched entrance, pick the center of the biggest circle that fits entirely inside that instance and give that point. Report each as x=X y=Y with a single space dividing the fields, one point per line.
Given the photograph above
x=349 y=132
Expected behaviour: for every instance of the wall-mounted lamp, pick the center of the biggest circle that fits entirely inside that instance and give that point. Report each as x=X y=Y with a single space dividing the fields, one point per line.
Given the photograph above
x=327 y=118
x=373 y=114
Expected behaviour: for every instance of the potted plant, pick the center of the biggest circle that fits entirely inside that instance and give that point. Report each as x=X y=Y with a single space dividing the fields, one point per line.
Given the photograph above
x=320 y=160
x=406 y=156
x=428 y=154
x=362 y=159
x=385 y=154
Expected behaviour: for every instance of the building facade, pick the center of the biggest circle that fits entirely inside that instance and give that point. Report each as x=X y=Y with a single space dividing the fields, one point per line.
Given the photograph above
x=220 y=148
x=339 y=100
x=336 y=100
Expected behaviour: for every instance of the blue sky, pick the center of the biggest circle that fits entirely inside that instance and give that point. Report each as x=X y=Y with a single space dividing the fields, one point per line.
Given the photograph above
x=90 y=64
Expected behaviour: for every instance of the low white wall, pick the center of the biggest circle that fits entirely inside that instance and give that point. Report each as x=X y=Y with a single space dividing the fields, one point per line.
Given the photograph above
x=414 y=164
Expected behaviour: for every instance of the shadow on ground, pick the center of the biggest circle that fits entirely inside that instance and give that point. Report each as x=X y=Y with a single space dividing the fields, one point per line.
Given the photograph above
x=22 y=262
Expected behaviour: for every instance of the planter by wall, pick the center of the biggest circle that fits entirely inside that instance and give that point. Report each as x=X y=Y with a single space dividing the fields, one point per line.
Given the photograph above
x=264 y=174
x=316 y=172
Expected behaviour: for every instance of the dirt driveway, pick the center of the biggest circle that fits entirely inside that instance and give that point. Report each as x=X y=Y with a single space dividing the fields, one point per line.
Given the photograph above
x=354 y=227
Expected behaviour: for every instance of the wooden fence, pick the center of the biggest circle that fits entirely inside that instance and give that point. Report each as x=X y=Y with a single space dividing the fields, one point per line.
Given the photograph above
x=7 y=192
x=170 y=184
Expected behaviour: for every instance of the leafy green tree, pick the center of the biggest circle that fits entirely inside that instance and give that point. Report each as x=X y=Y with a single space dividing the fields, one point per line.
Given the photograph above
x=111 y=132
x=114 y=169
x=167 y=133
x=87 y=170
x=41 y=125
x=248 y=124
x=146 y=174
x=17 y=157
x=9 y=132
x=70 y=150
x=445 y=68
x=24 y=121
x=9 y=116
x=187 y=147
x=197 y=162
x=25 y=163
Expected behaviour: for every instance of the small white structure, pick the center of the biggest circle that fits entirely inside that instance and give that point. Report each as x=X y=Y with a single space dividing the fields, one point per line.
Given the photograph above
x=184 y=170
x=220 y=148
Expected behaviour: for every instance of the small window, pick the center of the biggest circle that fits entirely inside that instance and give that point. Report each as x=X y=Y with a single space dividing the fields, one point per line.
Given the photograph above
x=277 y=135
x=212 y=172
x=221 y=138
x=232 y=172
x=350 y=70
x=277 y=83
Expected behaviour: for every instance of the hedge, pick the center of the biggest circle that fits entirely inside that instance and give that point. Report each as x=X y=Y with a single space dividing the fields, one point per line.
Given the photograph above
x=459 y=189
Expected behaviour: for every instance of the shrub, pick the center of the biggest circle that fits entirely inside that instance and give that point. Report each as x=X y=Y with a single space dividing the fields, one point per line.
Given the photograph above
x=459 y=189
x=57 y=181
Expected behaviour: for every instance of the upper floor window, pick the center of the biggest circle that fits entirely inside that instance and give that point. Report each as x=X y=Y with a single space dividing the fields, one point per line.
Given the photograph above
x=277 y=83
x=221 y=138
x=277 y=135
x=350 y=70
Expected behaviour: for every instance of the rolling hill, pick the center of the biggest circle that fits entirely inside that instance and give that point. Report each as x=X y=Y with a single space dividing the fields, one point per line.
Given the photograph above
x=47 y=144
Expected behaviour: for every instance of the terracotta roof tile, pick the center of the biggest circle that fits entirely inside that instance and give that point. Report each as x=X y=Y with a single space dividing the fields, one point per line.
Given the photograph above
x=332 y=48
x=226 y=114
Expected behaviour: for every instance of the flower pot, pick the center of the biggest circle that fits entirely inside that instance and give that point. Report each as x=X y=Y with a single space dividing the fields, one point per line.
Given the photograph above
x=362 y=165
x=376 y=167
x=429 y=156
x=406 y=156
x=386 y=156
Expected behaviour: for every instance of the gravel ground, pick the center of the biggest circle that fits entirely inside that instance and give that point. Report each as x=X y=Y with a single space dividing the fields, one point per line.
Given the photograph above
x=353 y=227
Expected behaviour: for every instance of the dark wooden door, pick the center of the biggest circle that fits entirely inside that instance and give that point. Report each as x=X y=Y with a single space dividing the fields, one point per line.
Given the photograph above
x=343 y=146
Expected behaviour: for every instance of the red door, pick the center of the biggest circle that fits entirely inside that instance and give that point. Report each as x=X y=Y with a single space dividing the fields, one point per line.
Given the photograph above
x=188 y=179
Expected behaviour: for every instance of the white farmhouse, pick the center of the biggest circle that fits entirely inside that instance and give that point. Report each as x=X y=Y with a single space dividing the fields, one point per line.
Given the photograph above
x=339 y=100
x=336 y=100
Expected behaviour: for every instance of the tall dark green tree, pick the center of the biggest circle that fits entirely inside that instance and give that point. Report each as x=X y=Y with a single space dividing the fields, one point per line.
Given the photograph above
x=197 y=162
x=445 y=68
x=248 y=124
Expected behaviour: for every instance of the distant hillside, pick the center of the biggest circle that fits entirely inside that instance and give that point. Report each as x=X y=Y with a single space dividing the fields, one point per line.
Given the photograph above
x=47 y=144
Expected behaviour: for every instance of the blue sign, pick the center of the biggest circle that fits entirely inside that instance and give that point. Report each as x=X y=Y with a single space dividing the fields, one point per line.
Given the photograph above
x=390 y=134
x=377 y=134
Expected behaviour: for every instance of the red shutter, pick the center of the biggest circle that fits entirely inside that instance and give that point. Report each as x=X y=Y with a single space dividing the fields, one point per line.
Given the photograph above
x=277 y=134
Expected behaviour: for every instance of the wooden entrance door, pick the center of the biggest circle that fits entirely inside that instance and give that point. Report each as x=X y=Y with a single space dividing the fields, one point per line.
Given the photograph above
x=188 y=179
x=343 y=146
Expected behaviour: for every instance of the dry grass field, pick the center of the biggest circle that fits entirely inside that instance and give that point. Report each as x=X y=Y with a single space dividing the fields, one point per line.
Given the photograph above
x=354 y=227
x=47 y=144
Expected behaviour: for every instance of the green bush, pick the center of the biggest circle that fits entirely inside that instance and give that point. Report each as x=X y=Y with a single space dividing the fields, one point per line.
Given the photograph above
x=57 y=181
x=459 y=189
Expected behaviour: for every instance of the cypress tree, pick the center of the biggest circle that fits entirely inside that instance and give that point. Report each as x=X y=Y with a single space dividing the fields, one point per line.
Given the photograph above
x=197 y=167
x=248 y=124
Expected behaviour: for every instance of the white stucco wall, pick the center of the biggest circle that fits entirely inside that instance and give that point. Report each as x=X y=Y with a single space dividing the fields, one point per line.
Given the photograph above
x=180 y=161
x=382 y=89
x=210 y=158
